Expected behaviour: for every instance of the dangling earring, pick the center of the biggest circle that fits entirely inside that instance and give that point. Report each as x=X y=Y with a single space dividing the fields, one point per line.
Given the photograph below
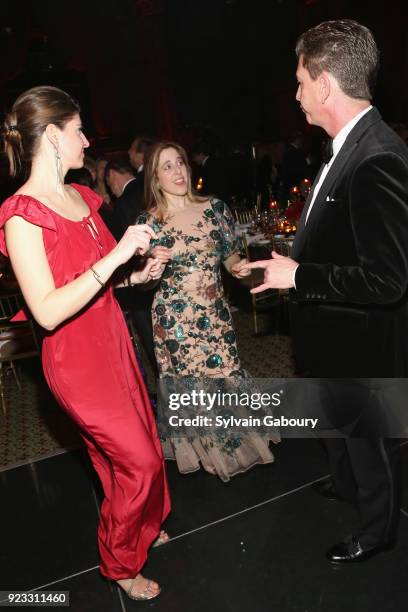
x=58 y=164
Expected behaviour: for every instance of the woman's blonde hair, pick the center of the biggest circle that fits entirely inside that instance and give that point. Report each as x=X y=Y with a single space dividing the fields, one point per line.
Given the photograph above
x=155 y=199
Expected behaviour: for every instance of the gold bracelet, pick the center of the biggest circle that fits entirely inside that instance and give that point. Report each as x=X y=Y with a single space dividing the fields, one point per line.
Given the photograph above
x=97 y=277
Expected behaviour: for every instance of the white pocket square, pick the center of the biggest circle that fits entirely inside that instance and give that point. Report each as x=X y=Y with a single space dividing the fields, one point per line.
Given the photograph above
x=330 y=199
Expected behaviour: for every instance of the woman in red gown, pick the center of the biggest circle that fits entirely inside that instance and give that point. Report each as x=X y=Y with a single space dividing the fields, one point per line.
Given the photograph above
x=63 y=257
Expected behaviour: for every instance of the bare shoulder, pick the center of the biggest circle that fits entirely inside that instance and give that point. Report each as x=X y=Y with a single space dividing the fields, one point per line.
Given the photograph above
x=201 y=201
x=27 y=189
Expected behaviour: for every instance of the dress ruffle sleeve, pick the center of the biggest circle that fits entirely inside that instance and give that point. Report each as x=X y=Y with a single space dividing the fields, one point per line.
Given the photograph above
x=32 y=211
x=29 y=209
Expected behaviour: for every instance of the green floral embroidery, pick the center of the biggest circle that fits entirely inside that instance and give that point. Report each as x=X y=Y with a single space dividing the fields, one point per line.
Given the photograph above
x=192 y=323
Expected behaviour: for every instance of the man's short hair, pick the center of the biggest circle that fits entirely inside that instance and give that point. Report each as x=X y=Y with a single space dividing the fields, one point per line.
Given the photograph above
x=120 y=165
x=347 y=50
x=143 y=144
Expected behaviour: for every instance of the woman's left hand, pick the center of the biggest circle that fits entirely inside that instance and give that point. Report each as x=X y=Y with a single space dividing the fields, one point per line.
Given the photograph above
x=153 y=269
x=160 y=256
x=237 y=269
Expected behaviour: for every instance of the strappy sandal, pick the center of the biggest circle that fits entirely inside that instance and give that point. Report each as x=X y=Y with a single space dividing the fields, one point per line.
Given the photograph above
x=144 y=595
x=162 y=539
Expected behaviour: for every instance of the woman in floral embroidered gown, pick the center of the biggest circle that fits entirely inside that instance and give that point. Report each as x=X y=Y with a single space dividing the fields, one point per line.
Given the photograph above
x=192 y=322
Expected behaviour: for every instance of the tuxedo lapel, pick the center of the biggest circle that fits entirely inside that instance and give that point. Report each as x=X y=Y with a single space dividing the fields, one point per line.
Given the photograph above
x=329 y=182
x=303 y=217
x=302 y=221
x=328 y=185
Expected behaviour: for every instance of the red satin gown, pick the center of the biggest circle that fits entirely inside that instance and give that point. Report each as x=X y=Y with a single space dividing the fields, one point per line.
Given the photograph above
x=90 y=366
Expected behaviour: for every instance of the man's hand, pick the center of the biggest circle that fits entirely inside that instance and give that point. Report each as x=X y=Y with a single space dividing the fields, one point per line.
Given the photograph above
x=279 y=272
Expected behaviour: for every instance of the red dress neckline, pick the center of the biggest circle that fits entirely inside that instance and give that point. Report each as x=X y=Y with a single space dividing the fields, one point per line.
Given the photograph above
x=24 y=195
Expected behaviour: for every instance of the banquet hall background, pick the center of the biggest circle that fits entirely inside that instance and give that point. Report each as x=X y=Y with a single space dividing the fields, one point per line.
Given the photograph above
x=218 y=74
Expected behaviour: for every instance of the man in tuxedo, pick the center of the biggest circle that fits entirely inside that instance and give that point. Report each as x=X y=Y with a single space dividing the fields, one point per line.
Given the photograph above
x=348 y=273
x=128 y=205
x=137 y=152
x=128 y=192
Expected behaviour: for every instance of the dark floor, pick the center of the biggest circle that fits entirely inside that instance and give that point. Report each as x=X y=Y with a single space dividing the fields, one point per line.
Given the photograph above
x=255 y=544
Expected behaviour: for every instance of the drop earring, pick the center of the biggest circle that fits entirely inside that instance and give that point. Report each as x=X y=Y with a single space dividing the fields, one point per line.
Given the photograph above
x=58 y=164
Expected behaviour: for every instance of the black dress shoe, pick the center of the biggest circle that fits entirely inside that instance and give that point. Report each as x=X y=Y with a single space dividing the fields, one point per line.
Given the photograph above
x=351 y=551
x=325 y=489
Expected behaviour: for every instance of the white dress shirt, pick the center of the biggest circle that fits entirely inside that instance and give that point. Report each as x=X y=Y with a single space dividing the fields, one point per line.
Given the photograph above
x=127 y=183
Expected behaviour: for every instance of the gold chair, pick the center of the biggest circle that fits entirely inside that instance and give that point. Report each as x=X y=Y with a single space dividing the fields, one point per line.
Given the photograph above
x=283 y=246
x=17 y=340
x=245 y=215
x=265 y=300
x=242 y=215
x=257 y=207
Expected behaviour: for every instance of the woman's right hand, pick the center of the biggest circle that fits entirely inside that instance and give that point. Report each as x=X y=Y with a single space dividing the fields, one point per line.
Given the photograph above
x=135 y=241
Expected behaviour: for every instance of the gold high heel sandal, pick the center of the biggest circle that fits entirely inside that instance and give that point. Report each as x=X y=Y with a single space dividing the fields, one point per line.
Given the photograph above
x=144 y=595
x=162 y=539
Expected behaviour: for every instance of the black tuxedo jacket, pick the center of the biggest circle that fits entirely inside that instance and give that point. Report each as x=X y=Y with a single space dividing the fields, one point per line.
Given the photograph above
x=349 y=311
x=130 y=204
x=126 y=210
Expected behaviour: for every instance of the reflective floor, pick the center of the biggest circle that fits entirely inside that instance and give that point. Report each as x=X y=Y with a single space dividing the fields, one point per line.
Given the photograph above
x=255 y=544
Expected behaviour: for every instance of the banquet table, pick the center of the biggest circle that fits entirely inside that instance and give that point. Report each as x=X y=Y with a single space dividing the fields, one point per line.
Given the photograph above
x=258 y=241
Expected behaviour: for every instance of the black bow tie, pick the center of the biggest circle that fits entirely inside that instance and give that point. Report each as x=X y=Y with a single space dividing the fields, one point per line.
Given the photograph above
x=327 y=152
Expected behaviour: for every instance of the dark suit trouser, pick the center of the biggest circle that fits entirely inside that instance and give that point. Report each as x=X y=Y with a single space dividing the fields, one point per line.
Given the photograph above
x=367 y=472
x=139 y=306
x=144 y=328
